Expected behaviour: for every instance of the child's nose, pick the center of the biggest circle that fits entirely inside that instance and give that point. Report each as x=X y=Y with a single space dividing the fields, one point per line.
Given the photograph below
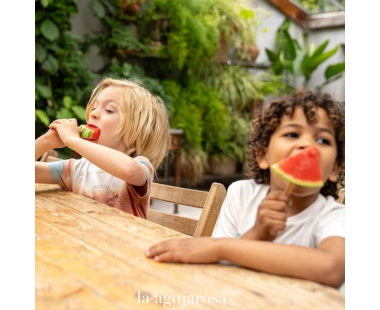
x=94 y=115
x=305 y=143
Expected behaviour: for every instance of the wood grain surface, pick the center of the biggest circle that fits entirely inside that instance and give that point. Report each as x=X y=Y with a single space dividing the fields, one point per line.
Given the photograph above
x=91 y=256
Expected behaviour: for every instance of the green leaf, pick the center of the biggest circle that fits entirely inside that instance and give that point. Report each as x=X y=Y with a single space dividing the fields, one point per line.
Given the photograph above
x=36 y=96
x=289 y=48
x=79 y=111
x=39 y=15
x=297 y=46
x=297 y=71
x=64 y=113
x=44 y=91
x=285 y=24
x=44 y=3
x=316 y=61
x=288 y=64
x=277 y=66
x=50 y=65
x=98 y=8
x=247 y=14
x=334 y=70
x=111 y=6
x=67 y=101
x=42 y=116
x=40 y=53
x=49 y=30
x=50 y=111
x=37 y=30
x=321 y=48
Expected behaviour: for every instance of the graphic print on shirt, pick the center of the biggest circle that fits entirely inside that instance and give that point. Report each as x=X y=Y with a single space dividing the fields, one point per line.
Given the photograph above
x=104 y=193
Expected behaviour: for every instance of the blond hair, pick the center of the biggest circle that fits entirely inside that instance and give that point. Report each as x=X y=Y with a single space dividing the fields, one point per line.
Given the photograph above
x=144 y=119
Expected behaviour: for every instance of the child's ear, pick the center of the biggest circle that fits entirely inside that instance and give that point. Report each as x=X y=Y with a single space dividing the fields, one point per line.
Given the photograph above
x=261 y=157
x=333 y=177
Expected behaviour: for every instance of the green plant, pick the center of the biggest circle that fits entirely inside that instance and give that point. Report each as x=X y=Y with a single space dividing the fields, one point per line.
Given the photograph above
x=237 y=87
x=173 y=41
x=291 y=60
x=119 y=70
x=235 y=141
x=62 y=82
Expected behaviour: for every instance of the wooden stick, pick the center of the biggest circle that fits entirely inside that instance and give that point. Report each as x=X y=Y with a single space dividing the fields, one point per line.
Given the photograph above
x=289 y=188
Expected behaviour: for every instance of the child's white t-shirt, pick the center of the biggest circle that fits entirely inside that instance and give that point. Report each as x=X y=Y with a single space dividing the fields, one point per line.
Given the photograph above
x=83 y=177
x=322 y=219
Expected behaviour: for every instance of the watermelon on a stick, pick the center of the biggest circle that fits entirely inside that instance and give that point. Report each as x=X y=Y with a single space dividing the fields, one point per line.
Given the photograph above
x=89 y=132
x=301 y=169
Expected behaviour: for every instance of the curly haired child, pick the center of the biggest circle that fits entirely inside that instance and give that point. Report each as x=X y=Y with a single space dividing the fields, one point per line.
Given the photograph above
x=118 y=168
x=259 y=226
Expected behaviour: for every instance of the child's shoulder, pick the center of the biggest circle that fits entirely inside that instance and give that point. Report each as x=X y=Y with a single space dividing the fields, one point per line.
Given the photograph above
x=331 y=206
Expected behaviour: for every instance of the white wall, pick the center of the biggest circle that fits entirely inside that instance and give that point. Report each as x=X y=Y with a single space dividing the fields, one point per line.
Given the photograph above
x=267 y=40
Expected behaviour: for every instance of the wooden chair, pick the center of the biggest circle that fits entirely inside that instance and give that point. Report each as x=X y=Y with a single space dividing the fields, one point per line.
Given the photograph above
x=211 y=202
x=50 y=156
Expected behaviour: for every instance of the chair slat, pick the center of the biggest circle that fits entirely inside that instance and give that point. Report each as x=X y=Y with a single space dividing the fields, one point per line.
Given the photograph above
x=210 y=211
x=51 y=159
x=178 y=195
x=45 y=157
x=182 y=224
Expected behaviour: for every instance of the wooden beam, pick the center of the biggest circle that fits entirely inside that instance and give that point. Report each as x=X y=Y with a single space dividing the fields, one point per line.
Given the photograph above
x=323 y=20
x=309 y=21
x=290 y=9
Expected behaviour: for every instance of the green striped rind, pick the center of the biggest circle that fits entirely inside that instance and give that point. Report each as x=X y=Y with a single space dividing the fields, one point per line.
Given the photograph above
x=85 y=132
x=276 y=169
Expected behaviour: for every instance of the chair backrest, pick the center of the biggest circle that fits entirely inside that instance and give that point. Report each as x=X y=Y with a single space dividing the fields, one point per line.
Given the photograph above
x=342 y=196
x=210 y=201
x=50 y=156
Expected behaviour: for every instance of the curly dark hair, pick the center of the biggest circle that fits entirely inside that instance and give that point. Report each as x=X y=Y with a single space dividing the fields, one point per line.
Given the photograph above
x=266 y=123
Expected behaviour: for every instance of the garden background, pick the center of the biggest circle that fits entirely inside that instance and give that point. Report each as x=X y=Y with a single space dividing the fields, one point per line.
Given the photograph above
x=215 y=63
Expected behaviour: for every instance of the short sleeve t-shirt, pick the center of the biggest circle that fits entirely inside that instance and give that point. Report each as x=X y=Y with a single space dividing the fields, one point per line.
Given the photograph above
x=322 y=219
x=83 y=177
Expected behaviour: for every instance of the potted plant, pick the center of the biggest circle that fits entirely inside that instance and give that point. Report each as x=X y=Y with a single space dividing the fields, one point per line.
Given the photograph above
x=236 y=22
x=232 y=150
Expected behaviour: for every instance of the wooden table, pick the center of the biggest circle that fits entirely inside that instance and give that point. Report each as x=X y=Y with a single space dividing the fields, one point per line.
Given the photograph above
x=91 y=256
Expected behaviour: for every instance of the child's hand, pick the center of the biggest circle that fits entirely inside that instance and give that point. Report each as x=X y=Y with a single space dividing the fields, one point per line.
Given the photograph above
x=195 y=250
x=271 y=216
x=66 y=128
x=53 y=139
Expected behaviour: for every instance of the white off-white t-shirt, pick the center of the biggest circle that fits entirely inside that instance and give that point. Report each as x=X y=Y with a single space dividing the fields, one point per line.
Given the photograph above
x=83 y=177
x=322 y=219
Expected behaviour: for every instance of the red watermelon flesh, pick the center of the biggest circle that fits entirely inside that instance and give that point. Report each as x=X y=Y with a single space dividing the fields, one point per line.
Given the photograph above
x=301 y=169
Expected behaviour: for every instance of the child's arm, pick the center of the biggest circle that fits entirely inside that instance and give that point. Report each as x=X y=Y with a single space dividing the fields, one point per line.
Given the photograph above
x=46 y=142
x=325 y=265
x=112 y=161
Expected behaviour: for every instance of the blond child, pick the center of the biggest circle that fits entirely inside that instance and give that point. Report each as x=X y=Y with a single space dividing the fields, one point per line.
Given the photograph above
x=118 y=168
x=300 y=235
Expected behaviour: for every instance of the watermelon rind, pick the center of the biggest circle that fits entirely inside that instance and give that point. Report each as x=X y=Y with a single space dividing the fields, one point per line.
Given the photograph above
x=276 y=169
x=85 y=132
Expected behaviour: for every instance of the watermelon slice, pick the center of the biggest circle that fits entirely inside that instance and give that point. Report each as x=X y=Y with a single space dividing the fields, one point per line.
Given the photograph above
x=301 y=169
x=89 y=132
